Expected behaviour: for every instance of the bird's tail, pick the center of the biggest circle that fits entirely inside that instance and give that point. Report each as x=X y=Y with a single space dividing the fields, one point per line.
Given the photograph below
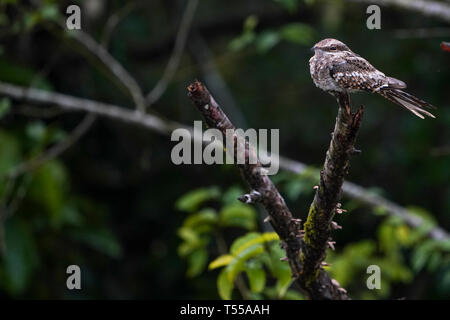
x=408 y=101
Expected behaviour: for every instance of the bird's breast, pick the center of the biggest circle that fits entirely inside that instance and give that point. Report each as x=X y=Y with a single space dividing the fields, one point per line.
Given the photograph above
x=319 y=68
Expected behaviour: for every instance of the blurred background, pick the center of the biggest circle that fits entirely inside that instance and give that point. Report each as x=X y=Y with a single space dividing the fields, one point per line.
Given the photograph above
x=102 y=193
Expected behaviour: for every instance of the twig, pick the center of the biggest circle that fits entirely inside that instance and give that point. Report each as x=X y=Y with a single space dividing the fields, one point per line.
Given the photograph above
x=70 y=103
x=113 y=21
x=175 y=57
x=113 y=66
x=37 y=112
x=430 y=8
x=213 y=79
x=73 y=104
x=422 y=33
x=318 y=225
x=281 y=219
x=55 y=150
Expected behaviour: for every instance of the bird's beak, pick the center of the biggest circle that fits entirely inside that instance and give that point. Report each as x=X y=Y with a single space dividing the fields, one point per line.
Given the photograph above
x=312 y=49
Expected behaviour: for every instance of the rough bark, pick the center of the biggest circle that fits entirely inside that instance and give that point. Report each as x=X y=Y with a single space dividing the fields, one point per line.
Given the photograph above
x=319 y=286
x=319 y=224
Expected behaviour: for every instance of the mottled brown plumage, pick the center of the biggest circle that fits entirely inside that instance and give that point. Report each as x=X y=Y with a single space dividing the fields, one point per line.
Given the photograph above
x=335 y=68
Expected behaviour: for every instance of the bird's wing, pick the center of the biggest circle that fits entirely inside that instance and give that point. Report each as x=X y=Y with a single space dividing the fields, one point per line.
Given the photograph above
x=356 y=73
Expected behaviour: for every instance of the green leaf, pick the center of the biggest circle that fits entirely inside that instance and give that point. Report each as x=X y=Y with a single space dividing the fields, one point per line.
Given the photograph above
x=220 y=261
x=224 y=285
x=298 y=33
x=18 y=74
x=240 y=242
x=250 y=23
x=293 y=295
x=280 y=269
x=422 y=253
x=238 y=263
x=201 y=221
x=197 y=261
x=191 y=241
x=242 y=41
x=48 y=189
x=444 y=244
x=238 y=215
x=71 y=216
x=49 y=12
x=192 y=200
x=356 y=256
x=424 y=214
x=20 y=258
x=387 y=238
x=266 y=41
x=231 y=195
x=9 y=154
x=251 y=238
x=188 y=235
x=256 y=276
x=101 y=240
x=36 y=131
x=434 y=261
x=5 y=106
x=295 y=187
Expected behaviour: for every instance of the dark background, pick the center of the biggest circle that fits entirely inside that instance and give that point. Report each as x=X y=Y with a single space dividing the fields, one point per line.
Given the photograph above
x=108 y=203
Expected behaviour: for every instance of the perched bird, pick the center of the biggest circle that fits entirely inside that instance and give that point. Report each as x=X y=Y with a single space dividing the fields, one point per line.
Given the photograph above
x=337 y=69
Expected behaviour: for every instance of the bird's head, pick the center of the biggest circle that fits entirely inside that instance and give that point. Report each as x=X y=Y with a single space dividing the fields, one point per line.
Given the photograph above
x=330 y=47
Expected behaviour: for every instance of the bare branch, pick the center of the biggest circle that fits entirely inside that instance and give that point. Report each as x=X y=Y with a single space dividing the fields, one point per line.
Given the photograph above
x=37 y=112
x=422 y=33
x=113 y=66
x=69 y=103
x=213 y=79
x=318 y=226
x=430 y=8
x=177 y=52
x=113 y=21
x=281 y=219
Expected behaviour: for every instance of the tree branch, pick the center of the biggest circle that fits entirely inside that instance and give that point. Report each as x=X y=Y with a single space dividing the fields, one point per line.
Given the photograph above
x=69 y=103
x=177 y=52
x=430 y=8
x=281 y=219
x=119 y=72
x=318 y=226
x=113 y=21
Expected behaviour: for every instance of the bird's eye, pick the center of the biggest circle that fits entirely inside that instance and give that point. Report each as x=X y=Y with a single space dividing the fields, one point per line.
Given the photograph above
x=333 y=48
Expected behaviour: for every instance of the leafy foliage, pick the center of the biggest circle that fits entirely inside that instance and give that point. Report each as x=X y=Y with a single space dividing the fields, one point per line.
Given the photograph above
x=39 y=205
x=254 y=254
x=297 y=33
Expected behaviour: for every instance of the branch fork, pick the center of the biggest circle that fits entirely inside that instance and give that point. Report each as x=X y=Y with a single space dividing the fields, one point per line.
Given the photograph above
x=305 y=249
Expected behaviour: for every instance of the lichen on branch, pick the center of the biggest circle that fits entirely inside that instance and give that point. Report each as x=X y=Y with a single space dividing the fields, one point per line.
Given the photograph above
x=303 y=253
